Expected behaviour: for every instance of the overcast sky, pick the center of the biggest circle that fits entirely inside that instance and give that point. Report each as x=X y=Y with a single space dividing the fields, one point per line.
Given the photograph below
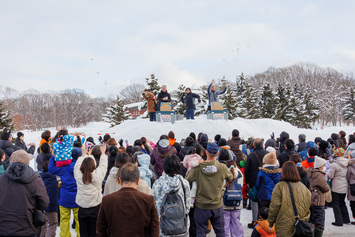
x=101 y=46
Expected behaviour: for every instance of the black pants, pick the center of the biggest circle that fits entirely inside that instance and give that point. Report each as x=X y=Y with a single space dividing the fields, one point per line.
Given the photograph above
x=87 y=221
x=192 y=230
x=317 y=216
x=340 y=210
x=352 y=206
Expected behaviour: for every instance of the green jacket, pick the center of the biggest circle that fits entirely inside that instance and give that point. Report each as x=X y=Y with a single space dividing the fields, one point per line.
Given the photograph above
x=281 y=210
x=209 y=177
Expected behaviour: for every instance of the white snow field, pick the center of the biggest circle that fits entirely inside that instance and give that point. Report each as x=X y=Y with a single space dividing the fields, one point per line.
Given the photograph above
x=134 y=129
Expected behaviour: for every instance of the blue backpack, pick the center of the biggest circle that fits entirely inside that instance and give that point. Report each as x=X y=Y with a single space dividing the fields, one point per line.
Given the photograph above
x=233 y=194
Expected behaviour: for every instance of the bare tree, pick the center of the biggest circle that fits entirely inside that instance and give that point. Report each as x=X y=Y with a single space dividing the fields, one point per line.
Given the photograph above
x=132 y=93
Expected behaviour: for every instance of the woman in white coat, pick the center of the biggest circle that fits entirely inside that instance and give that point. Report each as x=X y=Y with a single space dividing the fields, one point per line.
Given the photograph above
x=89 y=195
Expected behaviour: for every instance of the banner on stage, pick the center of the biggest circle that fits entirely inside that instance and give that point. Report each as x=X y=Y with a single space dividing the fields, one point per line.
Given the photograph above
x=218 y=116
x=165 y=118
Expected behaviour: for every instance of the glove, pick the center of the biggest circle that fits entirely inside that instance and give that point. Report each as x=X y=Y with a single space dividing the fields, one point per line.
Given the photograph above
x=120 y=142
x=272 y=136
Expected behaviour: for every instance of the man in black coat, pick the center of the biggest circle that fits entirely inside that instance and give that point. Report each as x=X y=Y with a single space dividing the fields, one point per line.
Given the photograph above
x=289 y=150
x=163 y=96
x=189 y=99
x=301 y=143
x=254 y=162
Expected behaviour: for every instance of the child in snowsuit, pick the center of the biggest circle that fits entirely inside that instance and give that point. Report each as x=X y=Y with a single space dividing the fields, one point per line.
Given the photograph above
x=143 y=166
x=261 y=227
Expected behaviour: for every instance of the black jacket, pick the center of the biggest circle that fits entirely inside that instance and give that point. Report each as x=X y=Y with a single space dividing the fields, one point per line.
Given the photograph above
x=283 y=137
x=23 y=146
x=304 y=177
x=285 y=156
x=161 y=95
x=252 y=166
x=17 y=204
x=8 y=148
x=41 y=158
x=189 y=100
x=186 y=150
x=300 y=146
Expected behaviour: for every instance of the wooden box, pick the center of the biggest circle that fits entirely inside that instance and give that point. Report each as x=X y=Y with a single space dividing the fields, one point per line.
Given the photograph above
x=217 y=106
x=165 y=106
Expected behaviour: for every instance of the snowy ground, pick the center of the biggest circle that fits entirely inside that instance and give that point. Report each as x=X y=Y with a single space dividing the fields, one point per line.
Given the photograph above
x=134 y=129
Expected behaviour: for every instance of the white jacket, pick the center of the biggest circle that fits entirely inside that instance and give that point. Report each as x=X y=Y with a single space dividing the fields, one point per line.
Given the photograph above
x=337 y=174
x=90 y=195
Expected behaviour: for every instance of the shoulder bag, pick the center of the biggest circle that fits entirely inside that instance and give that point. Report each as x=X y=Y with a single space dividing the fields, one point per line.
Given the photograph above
x=303 y=228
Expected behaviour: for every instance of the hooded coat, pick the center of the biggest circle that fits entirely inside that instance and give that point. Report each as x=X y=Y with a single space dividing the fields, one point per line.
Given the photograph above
x=17 y=208
x=157 y=156
x=337 y=174
x=68 y=189
x=283 y=137
x=234 y=144
x=267 y=179
x=9 y=148
x=318 y=187
x=144 y=172
x=150 y=98
x=281 y=211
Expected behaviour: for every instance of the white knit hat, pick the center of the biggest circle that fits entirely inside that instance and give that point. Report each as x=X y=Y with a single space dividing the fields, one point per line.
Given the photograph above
x=319 y=162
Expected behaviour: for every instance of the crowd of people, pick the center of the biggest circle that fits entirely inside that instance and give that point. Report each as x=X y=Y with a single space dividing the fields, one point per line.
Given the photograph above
x=172 y=188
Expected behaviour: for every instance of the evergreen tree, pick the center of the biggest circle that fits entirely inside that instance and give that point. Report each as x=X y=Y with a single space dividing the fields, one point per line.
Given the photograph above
x=230 y=99
x=240 y=98
x=282 y=103
x=153 y=85
x=116 y=114
x=201 y=108
x=250 y=102
x=349 y=109
x=311 y=109
x=180 y=107
x=267 y=102
x=5 y=120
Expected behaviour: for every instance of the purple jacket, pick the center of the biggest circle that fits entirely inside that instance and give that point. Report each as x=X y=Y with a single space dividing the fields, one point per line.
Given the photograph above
x=157 y=156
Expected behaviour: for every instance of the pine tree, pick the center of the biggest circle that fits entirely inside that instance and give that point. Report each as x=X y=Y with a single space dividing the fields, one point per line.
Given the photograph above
x=180 y=107
x=311 y=109
x=240 y=98
x=230 y=100
x=267 y=102
x=282 y=103
x=250 y=102
x=5 y=120
x=201 y=108
x=116 y=114
x=153 y=85
x=349 y=109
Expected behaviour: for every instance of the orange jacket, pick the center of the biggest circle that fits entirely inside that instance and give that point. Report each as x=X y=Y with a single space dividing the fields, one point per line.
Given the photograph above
x=308 y=163
x=262 y=226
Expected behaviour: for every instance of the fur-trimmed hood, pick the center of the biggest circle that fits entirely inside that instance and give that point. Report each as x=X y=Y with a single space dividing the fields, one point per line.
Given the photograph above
x=271 y=170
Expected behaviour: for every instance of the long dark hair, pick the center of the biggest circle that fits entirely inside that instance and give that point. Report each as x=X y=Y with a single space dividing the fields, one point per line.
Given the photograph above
x=87 y=167
x=121 y=160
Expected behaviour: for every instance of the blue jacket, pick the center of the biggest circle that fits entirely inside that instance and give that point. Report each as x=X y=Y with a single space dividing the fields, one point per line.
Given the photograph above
x=68 y=189
x=268 y=177
x=51 y=183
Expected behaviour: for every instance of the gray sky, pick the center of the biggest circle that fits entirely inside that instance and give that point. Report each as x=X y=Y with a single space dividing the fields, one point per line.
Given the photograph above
x=101 y=46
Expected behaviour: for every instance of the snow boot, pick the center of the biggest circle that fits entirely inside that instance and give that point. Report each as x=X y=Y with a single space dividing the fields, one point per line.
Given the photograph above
x=318 y=232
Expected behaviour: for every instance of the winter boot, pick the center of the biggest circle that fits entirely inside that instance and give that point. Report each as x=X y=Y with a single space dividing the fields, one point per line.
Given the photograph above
x=318 y=232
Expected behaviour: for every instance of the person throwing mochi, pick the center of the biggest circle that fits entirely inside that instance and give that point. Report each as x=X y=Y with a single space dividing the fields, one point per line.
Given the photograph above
x=213 y=94
x=189 y=100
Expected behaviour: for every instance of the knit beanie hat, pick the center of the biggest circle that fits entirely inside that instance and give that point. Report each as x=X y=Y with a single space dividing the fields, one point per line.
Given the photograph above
x=312 y=151
x=193 y=135
x=222 y=142
x=21 y=156
x=270 y=159
x=164 y=143
x=339 y=152
x=319 y=162
x=5 y=134
x=20 y=134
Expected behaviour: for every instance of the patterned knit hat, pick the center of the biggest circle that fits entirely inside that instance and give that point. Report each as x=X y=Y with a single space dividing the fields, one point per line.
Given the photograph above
x=339 y=152
x=62 y=149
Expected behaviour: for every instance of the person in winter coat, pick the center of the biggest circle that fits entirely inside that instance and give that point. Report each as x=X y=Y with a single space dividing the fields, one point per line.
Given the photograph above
x=337 y=173
x=281 y=210
x=283 y=137
x=262 y=228
x=67 y=196
x=323 y=150
x=22 y=191
x=163 y=95
x=351 y=146
x=150 y=98
x=46 y=137
x=289 y=150
x=232 y=223
x=304 y=154
x=335 y=137
x=301 y=143
x=112 y=185
x=173 y=142
x=159 y=152
x=309 y=162
x=187 y=149
x=171 y=181
x=203 y=140
x=268 y=176
x=189 y=100
x=44 y=156
x=20 y=142
x=319 y=187
x=192 y=161
x=254 y=162
x=209 y=177
x=143 y=165
x=342 y=139
x=62 y=148
x=89 y=179
x=213 y=94
x=3 y=164
x=51 y=183
x=350 y=176
x=295 y=158
x=223 y=145
x=234 y=144
x=7 y=146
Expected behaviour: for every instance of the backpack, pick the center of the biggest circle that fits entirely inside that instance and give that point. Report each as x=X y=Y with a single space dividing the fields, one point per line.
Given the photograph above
x=173 y=218
x=233 y=194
